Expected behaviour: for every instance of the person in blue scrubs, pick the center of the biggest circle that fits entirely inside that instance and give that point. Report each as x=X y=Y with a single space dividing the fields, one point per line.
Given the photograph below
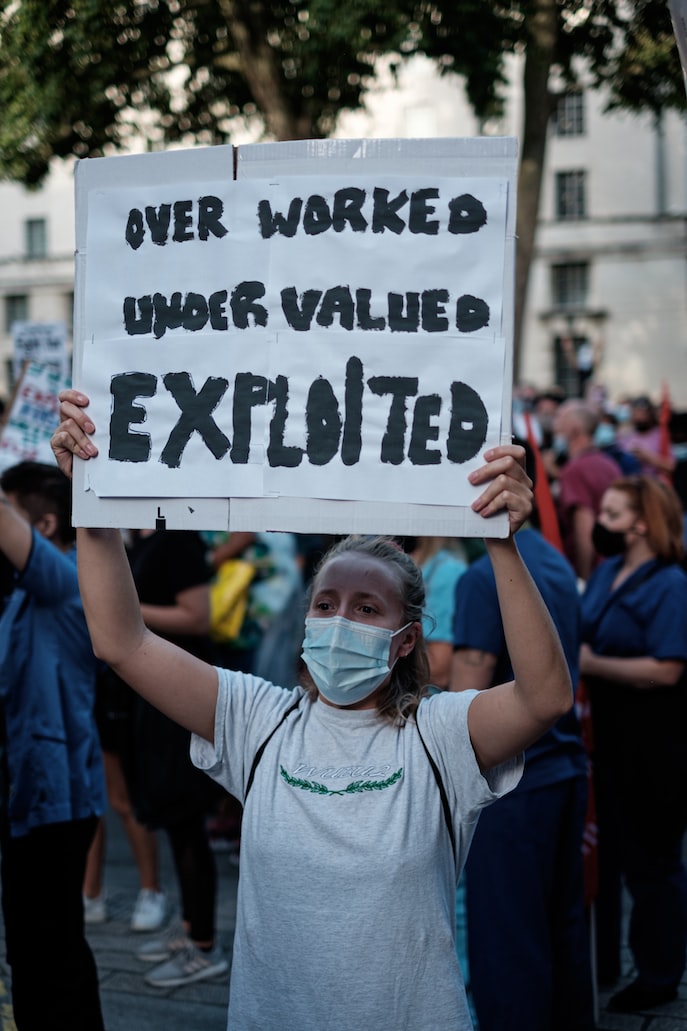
x=526 y=928
x=52 y=787
x=633 y=658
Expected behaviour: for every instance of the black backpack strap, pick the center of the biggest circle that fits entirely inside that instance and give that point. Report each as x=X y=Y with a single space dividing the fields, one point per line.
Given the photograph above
x=442 y=790
x=263 y=746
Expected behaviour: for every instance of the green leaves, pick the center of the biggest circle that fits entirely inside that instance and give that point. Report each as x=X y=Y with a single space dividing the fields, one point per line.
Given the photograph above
x=646 y=74
x=84 y=77
x=354 y=788
x=69 y=75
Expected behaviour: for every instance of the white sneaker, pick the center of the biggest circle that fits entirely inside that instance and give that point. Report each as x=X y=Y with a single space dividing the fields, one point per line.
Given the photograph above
x=150 y=910
x=188 y=965
x=94 y=910
x=171 y=941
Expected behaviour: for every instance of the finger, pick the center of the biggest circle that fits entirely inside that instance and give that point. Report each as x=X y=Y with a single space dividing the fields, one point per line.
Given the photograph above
x=71 y=437
x=502 y=451
x=504 y=500
x=504 y=492
x=73 y=396
x=516 y=451
x=70 y=412
x=499 y=466
x=77 y=428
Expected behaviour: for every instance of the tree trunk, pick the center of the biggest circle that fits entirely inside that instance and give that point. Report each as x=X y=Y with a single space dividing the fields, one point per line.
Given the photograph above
x=538 y=104
x=260 y=69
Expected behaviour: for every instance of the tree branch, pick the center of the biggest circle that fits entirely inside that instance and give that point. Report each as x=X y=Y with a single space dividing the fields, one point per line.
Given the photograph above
x=260 y=68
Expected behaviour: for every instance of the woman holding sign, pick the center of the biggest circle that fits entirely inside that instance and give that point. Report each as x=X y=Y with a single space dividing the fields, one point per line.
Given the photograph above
x=360 y=792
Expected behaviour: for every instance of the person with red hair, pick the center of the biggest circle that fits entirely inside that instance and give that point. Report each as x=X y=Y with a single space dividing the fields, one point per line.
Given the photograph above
x=633 y=660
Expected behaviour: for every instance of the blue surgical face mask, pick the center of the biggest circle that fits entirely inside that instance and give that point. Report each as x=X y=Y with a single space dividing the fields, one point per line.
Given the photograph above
x=560 y=444
x=347 y=660
x=604 y=435
x=680 y=452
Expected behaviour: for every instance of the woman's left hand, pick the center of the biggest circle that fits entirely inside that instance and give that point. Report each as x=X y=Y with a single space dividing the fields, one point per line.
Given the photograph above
x=507 y=485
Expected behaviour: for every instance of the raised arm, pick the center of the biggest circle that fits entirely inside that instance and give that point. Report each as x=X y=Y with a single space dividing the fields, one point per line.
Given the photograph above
x=15 y=534
x=177 y=683
x=510 y=717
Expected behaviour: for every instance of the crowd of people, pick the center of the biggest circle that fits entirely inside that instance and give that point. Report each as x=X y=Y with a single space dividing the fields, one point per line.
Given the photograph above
x=616 y=474
x=369 y=774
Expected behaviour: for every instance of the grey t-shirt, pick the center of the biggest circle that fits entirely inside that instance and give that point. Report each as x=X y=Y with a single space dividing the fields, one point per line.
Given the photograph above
x=347 y=890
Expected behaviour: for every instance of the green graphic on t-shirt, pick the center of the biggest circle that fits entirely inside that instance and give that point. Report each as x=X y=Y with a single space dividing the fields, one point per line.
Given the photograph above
x=351 y=789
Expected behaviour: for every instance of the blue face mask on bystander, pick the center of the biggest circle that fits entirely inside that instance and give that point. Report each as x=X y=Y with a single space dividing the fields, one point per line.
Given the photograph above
x=347 y=660
x=604 y=435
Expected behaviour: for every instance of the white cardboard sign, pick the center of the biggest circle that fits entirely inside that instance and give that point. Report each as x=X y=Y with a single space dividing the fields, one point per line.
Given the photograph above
x=33 y=416
x=338 y=338
x=44 y=343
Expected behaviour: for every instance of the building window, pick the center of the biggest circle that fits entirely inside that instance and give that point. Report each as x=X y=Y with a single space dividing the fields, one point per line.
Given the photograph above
x=569 y=114
x=36 y=237
x=16 y=310
x=570 y=195
x=570 y=285
x=574 y=363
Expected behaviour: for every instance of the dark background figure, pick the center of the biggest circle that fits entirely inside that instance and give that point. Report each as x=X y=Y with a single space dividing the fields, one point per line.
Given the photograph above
x=524 y=879
x=442 y=564
x=545 y=404
x=678 y=438
x=643 y=438
x=114 y=707
x=633 y=660
x=53 y=789
x=168 y=792
x=268 y=639
x=582 y=480
x=606 y=439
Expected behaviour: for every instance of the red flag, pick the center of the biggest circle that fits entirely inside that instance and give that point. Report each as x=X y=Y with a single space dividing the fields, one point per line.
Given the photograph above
x=548 y=517
x=664 y=423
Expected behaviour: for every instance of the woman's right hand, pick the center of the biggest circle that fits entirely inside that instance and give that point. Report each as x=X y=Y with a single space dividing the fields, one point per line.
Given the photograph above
x=72 y=435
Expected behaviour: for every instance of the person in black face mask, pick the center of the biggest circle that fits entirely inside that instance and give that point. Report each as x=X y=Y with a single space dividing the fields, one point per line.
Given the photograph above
x=608 y=543
x=634 y=625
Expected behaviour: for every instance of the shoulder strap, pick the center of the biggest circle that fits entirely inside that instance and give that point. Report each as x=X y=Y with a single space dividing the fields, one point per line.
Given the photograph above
x=263 y=746
x=442 y=790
